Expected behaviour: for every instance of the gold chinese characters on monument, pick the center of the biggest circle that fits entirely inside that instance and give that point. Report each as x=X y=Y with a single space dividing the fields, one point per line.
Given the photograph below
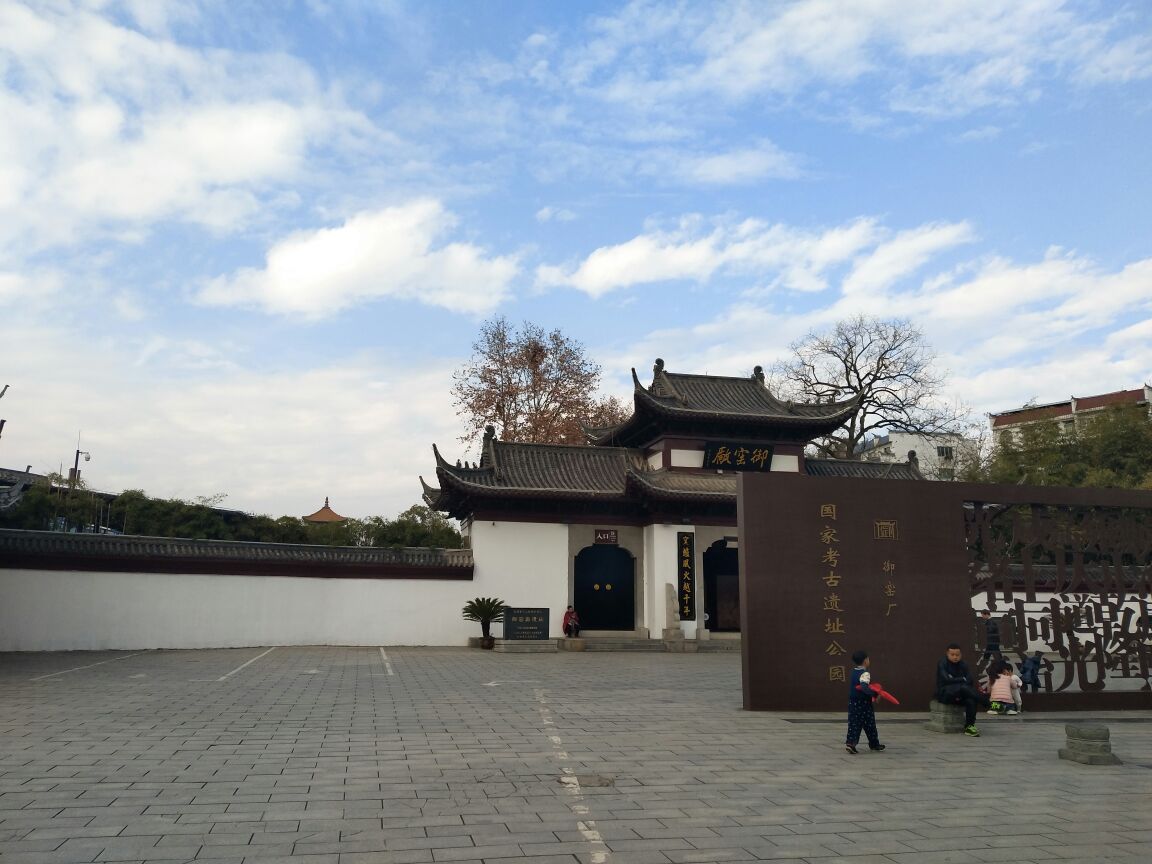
x=829 y=538
x=838 y=617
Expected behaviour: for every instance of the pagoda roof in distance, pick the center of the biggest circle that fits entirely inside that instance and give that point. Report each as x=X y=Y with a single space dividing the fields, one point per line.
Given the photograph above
x=325 y=514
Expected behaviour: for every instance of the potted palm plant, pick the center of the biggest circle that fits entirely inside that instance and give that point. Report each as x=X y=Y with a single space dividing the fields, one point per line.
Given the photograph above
x=485 y=610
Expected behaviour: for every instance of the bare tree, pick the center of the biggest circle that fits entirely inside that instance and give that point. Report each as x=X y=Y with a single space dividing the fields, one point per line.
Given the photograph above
x=532 y=385
x=884 y=362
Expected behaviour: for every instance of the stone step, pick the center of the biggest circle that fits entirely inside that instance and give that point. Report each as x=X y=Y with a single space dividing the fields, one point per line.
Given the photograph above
x=608 y=643
x=526 y=646
x=718 y=645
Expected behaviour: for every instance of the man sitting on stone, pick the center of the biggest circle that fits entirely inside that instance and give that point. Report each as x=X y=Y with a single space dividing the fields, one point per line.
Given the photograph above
x=571 y=624
x=954 y=686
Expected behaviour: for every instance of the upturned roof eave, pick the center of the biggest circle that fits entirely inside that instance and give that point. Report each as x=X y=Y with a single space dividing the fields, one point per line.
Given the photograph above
x=636 y=428
x=642 y=486
x=457 y=483
x=835 y=417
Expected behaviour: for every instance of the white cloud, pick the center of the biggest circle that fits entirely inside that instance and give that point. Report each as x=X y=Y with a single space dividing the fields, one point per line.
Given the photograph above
x=981 y=133
x=904 y=254
x=1008 y=330
x=182 y=419
x=182 y=160
x=392 y=252
x=772 y=256
x=555 y=214
x=109 y=129
x=740 y=166
x=938 y=58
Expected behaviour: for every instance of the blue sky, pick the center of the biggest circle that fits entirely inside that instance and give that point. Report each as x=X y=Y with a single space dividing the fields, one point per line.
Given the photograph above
x=243 y=246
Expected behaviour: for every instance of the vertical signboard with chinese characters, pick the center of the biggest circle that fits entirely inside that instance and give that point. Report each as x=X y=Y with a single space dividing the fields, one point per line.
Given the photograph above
x=829 y=566
x=686 y=556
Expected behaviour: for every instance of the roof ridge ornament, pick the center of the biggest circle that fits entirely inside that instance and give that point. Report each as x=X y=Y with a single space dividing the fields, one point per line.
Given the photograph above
x=758 y=375
x=662 y=385
x=488 y=452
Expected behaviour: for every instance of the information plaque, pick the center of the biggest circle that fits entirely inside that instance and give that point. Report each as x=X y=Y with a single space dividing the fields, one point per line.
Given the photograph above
x=525 y=623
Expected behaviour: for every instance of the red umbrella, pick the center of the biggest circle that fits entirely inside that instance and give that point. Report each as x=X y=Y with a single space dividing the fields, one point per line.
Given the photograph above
x=884 y=694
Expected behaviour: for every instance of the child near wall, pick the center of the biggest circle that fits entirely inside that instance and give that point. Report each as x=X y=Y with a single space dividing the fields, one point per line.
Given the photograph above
x=1004 y=689
x=861 y=713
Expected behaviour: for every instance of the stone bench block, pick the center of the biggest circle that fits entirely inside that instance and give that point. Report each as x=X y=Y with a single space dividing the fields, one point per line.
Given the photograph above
x=944 y=717
x=1088 y=744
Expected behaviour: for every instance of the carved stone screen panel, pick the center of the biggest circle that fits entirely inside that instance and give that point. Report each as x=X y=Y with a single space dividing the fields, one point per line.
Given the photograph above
x=1072 y=582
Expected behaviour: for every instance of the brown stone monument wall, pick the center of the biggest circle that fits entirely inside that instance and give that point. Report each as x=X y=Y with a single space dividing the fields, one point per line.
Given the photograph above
x=829 y=565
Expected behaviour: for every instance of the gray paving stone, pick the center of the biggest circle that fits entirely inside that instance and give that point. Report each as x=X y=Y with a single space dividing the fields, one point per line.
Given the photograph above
x=410 y=856
x=350 y=766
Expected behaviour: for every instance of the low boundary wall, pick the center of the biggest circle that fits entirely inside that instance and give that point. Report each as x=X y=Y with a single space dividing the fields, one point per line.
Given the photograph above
x=91 y=592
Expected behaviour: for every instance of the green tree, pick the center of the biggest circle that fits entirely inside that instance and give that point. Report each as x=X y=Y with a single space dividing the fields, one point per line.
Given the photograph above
x=1112 y=448
x=419 y=525
x=47 y=507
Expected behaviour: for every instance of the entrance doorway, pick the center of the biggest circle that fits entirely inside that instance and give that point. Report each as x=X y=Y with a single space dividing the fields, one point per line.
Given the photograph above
x=604 y=588
x=722 y=588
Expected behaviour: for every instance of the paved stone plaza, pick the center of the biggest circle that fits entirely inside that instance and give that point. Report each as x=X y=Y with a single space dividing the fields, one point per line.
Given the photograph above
x=358 y=755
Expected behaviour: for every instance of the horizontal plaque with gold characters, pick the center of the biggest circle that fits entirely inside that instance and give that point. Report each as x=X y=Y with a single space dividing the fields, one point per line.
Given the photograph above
x=738 y=457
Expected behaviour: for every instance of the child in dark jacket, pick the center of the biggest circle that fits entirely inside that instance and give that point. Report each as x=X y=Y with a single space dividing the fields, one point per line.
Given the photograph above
x=861 y=713
x=1030 y=671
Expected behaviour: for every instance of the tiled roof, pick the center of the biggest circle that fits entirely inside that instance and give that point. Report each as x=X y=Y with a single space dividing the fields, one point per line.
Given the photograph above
x=684 y=485
x=610 y=474
x=561 y=470
x=1069 y=407
x=1120 y=397
x=716 y=399
x=121 y=544
x=731 y=397
x=13 y=483
x=1032 y=413
x=325 y=514
x=743 y=397
x=850 y=468
x=25 y=548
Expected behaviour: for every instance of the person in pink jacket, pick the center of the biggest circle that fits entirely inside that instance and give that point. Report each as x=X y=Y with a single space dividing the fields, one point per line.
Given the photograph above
x=1004 y=690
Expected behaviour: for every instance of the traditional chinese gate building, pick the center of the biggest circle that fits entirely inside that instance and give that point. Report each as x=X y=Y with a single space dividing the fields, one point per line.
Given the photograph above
x=638 y=530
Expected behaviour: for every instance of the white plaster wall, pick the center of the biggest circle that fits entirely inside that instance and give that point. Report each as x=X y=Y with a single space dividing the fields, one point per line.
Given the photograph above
x=655 y=460
x=522 y=563
x=662 y=567
x=687 y=458
x=67 y=610
x=785 y=462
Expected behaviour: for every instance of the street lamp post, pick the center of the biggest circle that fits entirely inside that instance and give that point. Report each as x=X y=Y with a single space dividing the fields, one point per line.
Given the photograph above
x=75 y=477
